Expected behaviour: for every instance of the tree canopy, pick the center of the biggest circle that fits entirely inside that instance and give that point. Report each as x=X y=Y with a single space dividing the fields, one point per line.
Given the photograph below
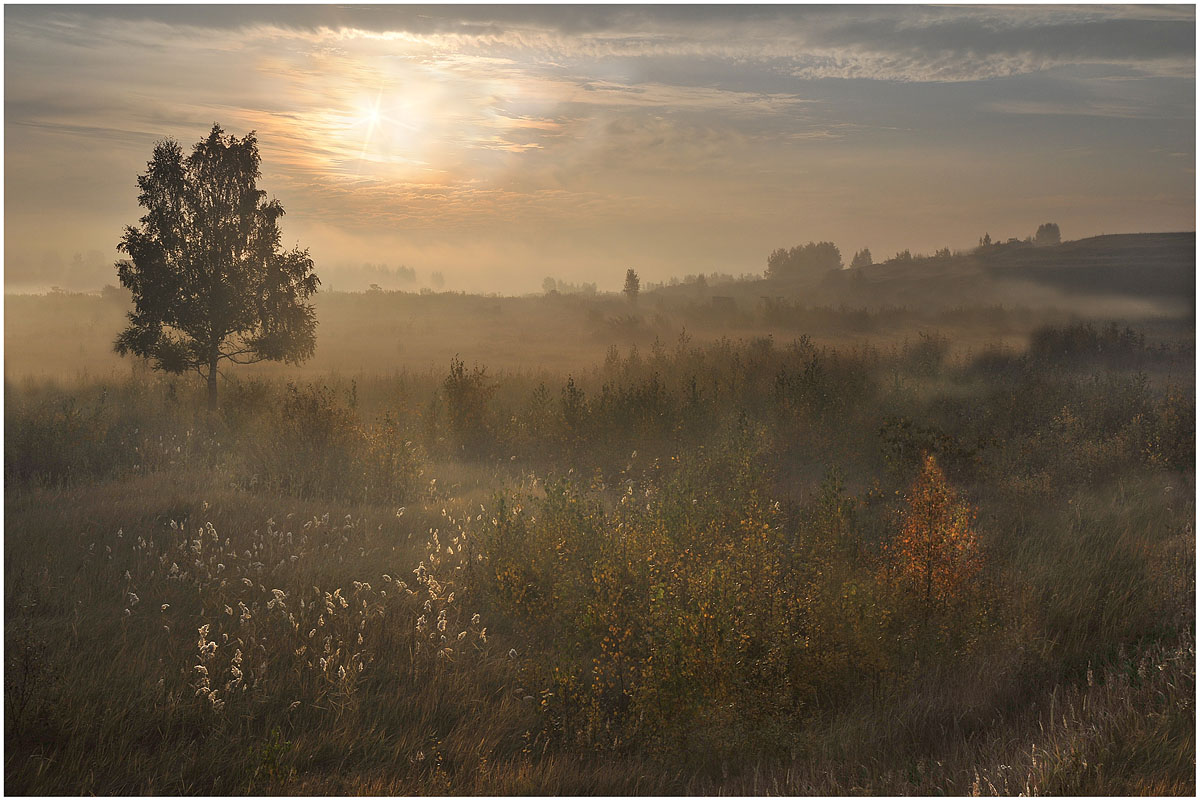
x=209 y=279
x=1047 y=234
x=862 y=259
x=804 y=261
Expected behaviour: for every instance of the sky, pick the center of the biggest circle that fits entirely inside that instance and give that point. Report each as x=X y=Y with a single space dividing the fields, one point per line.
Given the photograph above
x=499 y=145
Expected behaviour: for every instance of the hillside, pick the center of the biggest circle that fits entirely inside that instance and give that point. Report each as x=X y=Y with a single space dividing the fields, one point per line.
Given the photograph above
x=1158 y=268
x=974 y=300
x=1138 y=265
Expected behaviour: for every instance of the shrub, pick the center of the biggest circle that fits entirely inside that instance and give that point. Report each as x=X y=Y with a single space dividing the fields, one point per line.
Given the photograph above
x=465 y=398
x=926 y=356
x=311 y=445
x=1082 y=344
x=57 y=438
x=683 y=608
x=935 y=555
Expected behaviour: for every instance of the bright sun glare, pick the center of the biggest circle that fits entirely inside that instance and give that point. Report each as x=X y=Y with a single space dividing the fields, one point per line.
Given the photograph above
x=383 y=129
x=368 y=113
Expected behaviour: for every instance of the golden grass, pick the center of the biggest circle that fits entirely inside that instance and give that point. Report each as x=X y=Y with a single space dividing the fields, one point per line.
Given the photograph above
x=317 y=615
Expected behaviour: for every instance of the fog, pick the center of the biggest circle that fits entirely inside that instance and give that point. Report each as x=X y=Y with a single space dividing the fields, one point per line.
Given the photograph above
x=599 y=400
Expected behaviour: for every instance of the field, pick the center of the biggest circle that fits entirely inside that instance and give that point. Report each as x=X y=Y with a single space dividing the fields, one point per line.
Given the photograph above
x=732 y=538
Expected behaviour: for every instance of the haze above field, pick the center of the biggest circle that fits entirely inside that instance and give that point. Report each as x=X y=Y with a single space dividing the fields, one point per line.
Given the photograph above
x=498 y=145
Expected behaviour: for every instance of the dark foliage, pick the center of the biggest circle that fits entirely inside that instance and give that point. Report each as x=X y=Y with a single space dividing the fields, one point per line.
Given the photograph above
x=209 y=280
x=804 y=261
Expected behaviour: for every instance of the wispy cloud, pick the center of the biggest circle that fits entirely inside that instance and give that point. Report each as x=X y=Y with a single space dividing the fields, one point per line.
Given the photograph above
x=1081 y=108
x=440 y=124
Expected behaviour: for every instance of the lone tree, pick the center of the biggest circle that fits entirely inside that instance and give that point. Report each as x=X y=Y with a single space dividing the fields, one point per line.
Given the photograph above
x=633 y=285
x=1047 y=234
x=209 y=279
x=936 y=554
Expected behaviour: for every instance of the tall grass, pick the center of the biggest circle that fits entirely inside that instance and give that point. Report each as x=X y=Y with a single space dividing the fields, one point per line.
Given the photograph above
x=734 y=566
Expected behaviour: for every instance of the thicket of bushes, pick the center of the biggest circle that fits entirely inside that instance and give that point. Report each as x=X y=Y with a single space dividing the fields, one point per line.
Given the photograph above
x=823 y=569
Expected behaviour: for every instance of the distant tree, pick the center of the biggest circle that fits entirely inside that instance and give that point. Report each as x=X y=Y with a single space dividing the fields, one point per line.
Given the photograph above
x=550 y=286
x=942 y=253
x=1047 y=234
x=777 y=263
x=437 y=279
x=633 y=285
x=985 y=241
x=115 y=294
x=567 y=288
x=208 y=278
x=861 y=259
x=904 y=255
x=804 y=261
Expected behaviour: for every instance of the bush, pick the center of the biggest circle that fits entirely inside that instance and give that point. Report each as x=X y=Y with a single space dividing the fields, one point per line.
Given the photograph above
x=1082 y=344
x=935 y=556
x=467 y=428
x=56 y=438
x=311 y=445
x=687 y=610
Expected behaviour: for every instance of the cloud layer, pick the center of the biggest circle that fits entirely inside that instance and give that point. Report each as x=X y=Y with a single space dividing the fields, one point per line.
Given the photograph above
x=499 y=144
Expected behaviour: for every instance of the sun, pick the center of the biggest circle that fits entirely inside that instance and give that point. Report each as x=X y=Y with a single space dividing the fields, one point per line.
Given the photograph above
x=388 y=130
x=372 y=115
x=368 y=113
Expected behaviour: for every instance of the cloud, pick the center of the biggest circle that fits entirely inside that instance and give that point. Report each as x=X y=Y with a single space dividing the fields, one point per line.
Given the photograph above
x=1079 y=108
x=897 y=43
x=705 y=130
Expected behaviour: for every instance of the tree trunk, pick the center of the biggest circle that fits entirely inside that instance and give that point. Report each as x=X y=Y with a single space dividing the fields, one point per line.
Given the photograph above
x=212 y=383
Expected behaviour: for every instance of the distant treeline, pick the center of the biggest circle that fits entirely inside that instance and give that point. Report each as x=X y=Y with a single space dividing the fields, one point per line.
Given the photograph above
x=359 y=277
x=815 y=259
x=553 y=285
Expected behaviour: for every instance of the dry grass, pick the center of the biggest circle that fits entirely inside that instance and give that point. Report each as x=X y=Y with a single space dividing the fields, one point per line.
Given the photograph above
x=241 y=606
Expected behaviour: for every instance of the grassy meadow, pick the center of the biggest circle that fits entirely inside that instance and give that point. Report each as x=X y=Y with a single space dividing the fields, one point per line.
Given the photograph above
x=717 y=541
